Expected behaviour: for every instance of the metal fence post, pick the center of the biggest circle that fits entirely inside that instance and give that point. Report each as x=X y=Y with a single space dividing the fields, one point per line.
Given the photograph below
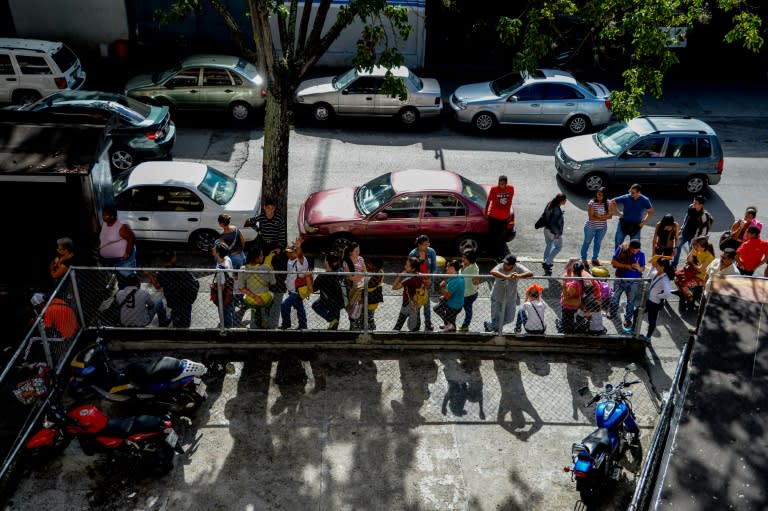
x=640 y=309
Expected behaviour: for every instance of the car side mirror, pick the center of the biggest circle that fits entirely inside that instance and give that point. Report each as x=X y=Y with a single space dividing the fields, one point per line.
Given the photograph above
x=344 y=92
x=380 y=216
x=512 y=99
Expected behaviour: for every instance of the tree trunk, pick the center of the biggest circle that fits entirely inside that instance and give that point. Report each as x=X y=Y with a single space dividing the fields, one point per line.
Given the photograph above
x=277 y=130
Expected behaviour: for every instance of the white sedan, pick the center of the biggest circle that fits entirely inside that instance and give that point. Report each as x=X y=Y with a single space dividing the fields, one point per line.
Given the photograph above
x=358 y=93
x=182 y=201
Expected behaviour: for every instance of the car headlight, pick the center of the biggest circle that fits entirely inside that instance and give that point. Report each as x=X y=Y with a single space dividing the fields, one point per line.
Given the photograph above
x=309 y=229
x=299 y=99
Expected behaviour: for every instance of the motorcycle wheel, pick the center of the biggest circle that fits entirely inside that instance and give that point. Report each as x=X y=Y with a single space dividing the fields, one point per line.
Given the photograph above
x=38 y=458
x=634 y=460
x=589 y=492
x=162 y=461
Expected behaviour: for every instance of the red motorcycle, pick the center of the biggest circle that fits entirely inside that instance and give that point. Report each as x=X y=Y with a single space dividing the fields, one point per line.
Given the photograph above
x=146 y=440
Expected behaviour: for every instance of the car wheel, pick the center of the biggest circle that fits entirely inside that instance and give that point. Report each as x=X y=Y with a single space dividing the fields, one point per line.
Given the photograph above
x=409 y=116
x=468 y=243
x=239 y=111
x=204 y=239
x=322 y=112
x=578 y=125
x=695 y=184
x=484 y=122
x=122 y=159
x=593 y=182
x=23 y=97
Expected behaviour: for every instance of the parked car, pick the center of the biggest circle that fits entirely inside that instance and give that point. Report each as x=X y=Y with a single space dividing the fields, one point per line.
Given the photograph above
x=204 y=83
x=182 y=201
x=358 y=93
x=398 y=206
x=32 y=68
x=547 y=97
x=142 y=132
x=652 y=149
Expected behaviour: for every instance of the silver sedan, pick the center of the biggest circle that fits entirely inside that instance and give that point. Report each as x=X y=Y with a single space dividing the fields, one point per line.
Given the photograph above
x=358 y=93
x=547 y=97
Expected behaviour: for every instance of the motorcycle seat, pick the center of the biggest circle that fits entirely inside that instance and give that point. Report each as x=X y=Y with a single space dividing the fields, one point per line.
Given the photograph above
x=162 y=369
x=597 y=439
x=122 y=427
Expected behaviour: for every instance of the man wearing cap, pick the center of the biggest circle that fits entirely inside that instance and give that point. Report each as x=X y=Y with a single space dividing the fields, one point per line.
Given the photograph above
x=504 y=298
x=59 y=319
x=298 y=267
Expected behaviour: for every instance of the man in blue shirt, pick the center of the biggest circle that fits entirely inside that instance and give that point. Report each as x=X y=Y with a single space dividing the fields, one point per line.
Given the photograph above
x=635 y=213
x=629 y=262
x=452 y=296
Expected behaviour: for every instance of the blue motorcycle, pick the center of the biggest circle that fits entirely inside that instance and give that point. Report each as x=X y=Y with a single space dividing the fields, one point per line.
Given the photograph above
x=598 y=459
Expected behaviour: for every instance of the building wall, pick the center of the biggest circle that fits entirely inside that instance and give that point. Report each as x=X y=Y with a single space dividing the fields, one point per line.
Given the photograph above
x=81 y=22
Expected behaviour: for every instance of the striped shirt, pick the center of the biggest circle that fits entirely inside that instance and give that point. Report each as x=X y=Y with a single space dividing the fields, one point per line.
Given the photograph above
x=600 y=208
x=272 y=230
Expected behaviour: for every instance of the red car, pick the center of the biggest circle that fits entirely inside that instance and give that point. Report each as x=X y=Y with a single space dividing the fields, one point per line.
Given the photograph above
x=398 y=206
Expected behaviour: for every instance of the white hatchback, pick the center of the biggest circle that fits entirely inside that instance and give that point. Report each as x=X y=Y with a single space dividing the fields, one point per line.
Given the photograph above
x=182 y=201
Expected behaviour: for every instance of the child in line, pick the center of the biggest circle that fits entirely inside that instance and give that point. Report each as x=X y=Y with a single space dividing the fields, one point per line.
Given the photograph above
x=331 y=301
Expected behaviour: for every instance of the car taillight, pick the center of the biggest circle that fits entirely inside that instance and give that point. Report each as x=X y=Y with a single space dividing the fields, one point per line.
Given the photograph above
x=720 y=166
x=155 y=135
x=438 y=100
x=608 y=104
x=60 y=82
x=263 y=93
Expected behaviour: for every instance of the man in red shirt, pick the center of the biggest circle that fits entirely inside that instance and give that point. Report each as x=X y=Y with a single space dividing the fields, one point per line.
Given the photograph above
x=59 y=319
x=497 y=212
x=752 y=253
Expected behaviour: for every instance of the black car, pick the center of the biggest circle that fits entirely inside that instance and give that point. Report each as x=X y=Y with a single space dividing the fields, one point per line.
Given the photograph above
x=143 y=132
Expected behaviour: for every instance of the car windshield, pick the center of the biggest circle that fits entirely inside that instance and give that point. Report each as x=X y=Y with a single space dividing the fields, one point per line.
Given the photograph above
x=249 y=71
x=418 y=84
x=162 y=76
x=373 y=194
x=473 y=191
x=219 y=187
x=616 y=137
x=507 y=83
x=344 y=79
x=120 y=181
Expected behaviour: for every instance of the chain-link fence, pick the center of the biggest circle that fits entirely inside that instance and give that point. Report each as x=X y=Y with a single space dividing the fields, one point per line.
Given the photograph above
x=380 y=302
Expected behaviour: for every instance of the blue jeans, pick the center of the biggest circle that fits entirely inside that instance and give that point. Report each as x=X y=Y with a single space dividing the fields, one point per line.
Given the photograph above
x=682 y=241
x=592 y=235
x=119 y=262
x=158 y=308
x=632 y=290
x=468 y=303
x=620 y=235
x=552 y=246
x=293 y=300
x=237 y=260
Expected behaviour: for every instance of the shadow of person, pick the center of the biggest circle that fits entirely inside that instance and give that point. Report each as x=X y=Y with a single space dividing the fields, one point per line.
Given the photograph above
x=291 y=379
x=465 y=384
x=416 y=374
x=514 y=402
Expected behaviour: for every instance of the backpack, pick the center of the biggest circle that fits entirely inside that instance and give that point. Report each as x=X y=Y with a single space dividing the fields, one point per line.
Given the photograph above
x=709 y=222
x=421 y=296
x=572 y=291
x=606 y=291
x=188 y=287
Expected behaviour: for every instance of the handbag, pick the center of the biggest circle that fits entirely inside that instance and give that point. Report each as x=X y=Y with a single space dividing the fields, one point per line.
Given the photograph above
x=542 y=221
x=227 y=290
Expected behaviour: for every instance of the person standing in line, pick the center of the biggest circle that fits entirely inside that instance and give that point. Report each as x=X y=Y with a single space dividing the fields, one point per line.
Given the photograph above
x=427 y=266
x=409 y=281
x=553 y=231
x=696 y=223
x=331 y=300
x=752 y=253
x=598 y=214
x=298 y=267
x=470 y=271
x=277 y=259
x=635 y=213
x=117 y=244
x=504 y=297
x=65 y=258
x=629 y=261
x=180 y=289
x=694 y=273
x=353 y=262
x=666 y=236
x=659 y=289
x=375 y=266
x=270 y=225
x=224 y=284
x=451 y=296
x=255 y=285
x=739 y=228
x=497 y=210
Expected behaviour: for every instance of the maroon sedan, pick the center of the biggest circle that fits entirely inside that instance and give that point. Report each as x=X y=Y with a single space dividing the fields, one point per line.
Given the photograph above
x=398 y=206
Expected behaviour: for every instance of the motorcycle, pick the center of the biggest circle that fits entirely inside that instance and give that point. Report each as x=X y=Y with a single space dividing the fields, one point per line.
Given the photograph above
x=145 y=439
x=166 y=383
x=598 y=458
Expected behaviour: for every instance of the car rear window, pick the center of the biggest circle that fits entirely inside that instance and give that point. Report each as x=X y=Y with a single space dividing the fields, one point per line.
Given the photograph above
x=64 y=58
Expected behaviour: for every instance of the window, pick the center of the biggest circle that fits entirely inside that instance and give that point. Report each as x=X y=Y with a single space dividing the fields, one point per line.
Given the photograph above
x=216 y=77
x=405 y=206
x=364 y=85
x=32 y=65
x=441 y=206
x=557 y=91
x=143 y=198
x=185 y=78
x=650 y=147
x=535 y=92
x=681 y=147
x=6 y=67
x=705 y=147
x=179 y=199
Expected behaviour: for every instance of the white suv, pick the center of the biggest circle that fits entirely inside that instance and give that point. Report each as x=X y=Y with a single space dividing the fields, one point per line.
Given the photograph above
x=31 y=69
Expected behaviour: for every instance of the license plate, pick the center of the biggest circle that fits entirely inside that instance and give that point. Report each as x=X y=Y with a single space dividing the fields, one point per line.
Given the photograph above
x=172 y=438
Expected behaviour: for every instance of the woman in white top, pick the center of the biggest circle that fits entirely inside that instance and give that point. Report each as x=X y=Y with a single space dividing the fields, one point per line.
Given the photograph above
x=598 y=214
x=530 y=315
x=660 y=288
